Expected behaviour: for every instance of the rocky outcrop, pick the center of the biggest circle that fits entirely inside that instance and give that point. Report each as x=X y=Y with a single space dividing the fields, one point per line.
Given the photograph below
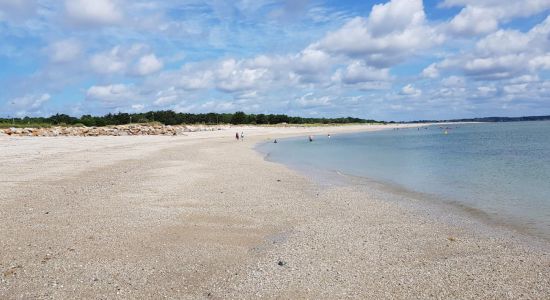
x=120 y=130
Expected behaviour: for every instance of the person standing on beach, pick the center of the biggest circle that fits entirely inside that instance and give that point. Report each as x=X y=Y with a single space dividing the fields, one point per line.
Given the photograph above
x=237 y=136
x=310 y=138
x=242 y=135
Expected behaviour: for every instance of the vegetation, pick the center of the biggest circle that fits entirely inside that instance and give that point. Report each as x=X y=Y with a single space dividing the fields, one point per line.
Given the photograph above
x=169 y=117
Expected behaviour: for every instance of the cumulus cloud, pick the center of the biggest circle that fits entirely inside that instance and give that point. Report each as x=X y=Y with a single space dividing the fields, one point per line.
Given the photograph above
x=431 y=71
x=473 y=20
x=484 y=16
x=392 y=32
x=232 y=76
x=354 y=55
x=501 y=55
x=410 y=90
x=148 y=64
x=109 y=62
x=311 y=61
x=134 y=60
x=358 y=72
x=96 y=12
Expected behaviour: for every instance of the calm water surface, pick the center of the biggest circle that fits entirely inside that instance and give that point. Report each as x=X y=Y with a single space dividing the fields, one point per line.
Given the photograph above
x=502 y=169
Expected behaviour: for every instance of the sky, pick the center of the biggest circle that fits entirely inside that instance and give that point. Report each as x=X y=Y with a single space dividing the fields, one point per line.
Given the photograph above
x=386 y=60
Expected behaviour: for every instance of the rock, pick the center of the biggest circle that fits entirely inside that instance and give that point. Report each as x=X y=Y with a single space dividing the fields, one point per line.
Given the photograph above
x=118 y=130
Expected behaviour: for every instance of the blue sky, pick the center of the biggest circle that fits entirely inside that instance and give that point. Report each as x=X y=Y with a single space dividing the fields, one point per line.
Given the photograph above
x=389 y=60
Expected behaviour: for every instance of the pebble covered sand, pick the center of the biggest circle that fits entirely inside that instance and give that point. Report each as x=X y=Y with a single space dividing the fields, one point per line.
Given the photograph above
x=205 y=216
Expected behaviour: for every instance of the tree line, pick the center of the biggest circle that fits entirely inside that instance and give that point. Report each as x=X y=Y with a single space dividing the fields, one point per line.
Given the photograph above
x=168 y=117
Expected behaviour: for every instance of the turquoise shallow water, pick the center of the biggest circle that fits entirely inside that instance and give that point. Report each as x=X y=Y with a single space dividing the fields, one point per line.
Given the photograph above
x=502 y=169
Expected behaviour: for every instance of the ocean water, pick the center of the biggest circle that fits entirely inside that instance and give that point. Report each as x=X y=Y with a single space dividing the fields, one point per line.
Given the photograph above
x=501 y=169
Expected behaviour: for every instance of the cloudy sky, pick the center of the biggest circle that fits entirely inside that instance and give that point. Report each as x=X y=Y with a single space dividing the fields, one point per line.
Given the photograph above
x=388 y=60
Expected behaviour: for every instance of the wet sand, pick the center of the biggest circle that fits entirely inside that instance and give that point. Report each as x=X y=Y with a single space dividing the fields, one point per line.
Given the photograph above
x=205 y=216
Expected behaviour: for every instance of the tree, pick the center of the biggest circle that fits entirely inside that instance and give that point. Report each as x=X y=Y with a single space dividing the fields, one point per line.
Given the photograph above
x=238 y=118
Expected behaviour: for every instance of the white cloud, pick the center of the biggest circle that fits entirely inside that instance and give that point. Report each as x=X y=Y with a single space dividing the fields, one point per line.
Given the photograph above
x=393 y=32
x=168 y=96
x=190 y=77
x=501 y=55
x=64 y=51
x=109 y=62
x=473 y=20
x=310 y=61
x=209 y=106
x=410 y=90
x=310 y=101
x=486 y=91
x=515 y=88
x=503 y=42
x=232 y=76
x=109 y=94
x=93 y=12
x=396 y=15
x=137 y=107
x=431 y=71
x=484 y=16
x=357 y=59
x=29 y=103
x=148 y=64
x=358 y=72
x=134 y=60
x=454 y=81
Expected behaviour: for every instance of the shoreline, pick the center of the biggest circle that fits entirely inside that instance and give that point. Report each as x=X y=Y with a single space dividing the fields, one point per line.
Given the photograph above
x=431 y=201
x=204 y=216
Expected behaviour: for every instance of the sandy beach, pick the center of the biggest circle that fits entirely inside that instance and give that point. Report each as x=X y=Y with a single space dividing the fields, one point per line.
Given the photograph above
x=205 y=216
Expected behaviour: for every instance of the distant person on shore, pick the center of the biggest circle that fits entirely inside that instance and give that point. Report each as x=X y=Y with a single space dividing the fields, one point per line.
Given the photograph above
x=237 y=136
x=310 y=138
x=328 y=135
x=275 y=141
x=242 y=135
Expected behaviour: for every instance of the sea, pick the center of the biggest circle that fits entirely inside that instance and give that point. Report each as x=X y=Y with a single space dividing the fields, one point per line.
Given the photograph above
x=500 y=169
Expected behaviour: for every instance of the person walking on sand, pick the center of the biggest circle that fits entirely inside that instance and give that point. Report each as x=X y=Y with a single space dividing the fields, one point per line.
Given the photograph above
x=242 y=136
x=310 y=138
x=237 y=136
